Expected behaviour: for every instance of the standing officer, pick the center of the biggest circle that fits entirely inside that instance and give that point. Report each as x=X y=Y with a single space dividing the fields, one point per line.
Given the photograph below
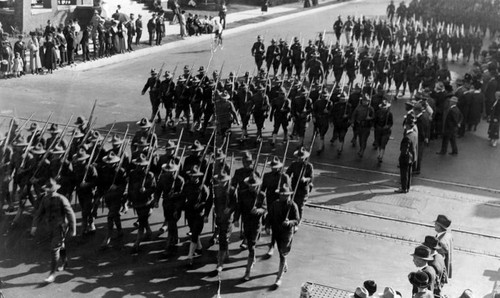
x=60 y=217
x=301 y=172
x=153 y=84
x=258 y=50
x=251 y=207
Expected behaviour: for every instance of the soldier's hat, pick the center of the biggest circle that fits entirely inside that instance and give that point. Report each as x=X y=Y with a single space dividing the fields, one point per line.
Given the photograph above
x=325 y=93
x=81 y=155
x=201 y=69
x=54 y=129
x=38 y=149
x=57 y=149
x=443 y=221
x=170 y=145
x=273 y=41
x=253 y=180
x=281 y=40
x=171 y=166
x=247 y=156
x=80 y=120
x=33 y=127
x=275 y=163
x=224 y=95
x=196 y=146
x=259 y=37
x=196 y=80
x=315 y=54
x=142 y=142
x=116 y=140
x=77 y=134
x=144 y=123
x=211 y=83
x=431 y=242
x=181 y=79
x=111 y=158
x=141 y=160
x=20 y=141
x=223 y=176
x=296 y=39
x=301 y=152
x=167 y=74
x=195 y=172
x=384 y=104
x=95 y=136
x=153 y=71
x=219 y=154
x=51 y=185
x=360 y=292
x=186 y=68
x=343 y=96
x=285 y=190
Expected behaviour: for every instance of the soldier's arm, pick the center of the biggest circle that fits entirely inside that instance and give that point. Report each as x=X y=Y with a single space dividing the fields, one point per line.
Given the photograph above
x=263 y=203
x=40 y=212
x=145 y=88
x=293 y=216
x=70 y=215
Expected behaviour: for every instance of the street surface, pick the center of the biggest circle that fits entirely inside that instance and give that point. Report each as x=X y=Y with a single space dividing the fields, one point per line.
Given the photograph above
x=369 y=235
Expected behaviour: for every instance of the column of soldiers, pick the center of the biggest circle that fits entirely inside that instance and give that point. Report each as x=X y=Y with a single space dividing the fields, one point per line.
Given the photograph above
x=121 y=171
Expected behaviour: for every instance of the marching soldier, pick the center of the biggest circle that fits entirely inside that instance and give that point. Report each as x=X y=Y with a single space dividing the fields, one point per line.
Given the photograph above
x=273 y=57
x=362 y=122
x=225 y=114
x=258 y=50
x=183 y=93
x=315 y=68
x=111 y=187
x=167 y=95
x=251 y=208
x=337 y=28
x=146 y=132
x=398 y=68
x=320 y=112
x=301 y=172
x=301 y=112
x=340 y=116
x=225 y=204
x=271 y=184
x=351 y=65
x=6 y=174
x=382 y=69
x=170 y=187
x=366 y=67
x=195 y=159
x=298 y=56
x=39 y=170
x=142 y=185
x=197 y=209
x=283 y=217
x=55 y=135
x=35 y=131
x=337 y=65
x=85 y=178
x=286 y=59
x=153 y=84
x=260 y=108
x=243 y=105
x=280 y=111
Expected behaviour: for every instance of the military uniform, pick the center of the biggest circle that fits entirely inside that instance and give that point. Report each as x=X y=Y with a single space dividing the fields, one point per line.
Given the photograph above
x=301 y=112
x=260 y=108
x=362 y=122
x=273 y=57
x=280 y=112
x=258 y=50
x=301 y=172
x=153 y=84
x=340 y=116
x=321 y=110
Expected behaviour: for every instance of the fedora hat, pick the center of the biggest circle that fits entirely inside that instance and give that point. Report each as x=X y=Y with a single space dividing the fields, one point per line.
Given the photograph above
x=54 y=128
x=20 y=141
x=170 y=145
x=141 y=160
x=219 y=154
x=419 y=279
x=443 y=221
x=223 y=177
x=423 y=252
x=144 y=123
x=431 y=242
x=116 y=140
x=171 y=166
x=360 y=292
x=197 y=146
x=58 y=149
x=253 y=180
x=301 y=152
x=111 y=158
x=38 y=149
x=285 y=190
x=195 y=172
x=81 y=155
x=33 y=127
x=275 y=163
x=51 y=185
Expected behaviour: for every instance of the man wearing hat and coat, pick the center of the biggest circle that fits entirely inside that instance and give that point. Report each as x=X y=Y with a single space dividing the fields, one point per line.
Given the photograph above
x=452 y=121
x=271 y=184
x=283 y=218
x=438 y=263
x=420 y=281
x=423 y=123
x=422 y=258
x=153 y=84
x=442 y=228
x=225 y=204
x=301 y=172
x=57 y=212
x=407 y=153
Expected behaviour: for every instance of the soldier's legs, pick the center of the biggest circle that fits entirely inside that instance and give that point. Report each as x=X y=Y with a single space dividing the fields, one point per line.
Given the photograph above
x=258 y=62
x=224 y=232
x=298 y=70
x=86 y=204
x=155 y=104
x=58 y=249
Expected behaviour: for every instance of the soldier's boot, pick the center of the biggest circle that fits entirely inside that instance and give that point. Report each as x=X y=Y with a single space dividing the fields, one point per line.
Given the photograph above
x=275 y=136
x=191 y=254
x=140 y=234
x=281 y=270
x=221 y=257
x=118 y=224
x=380 y=155
x=250 y=263
x=64 y=259
x=341 y=147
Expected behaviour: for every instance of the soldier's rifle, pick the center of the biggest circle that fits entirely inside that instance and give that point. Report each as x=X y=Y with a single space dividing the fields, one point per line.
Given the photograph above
x=150 y=159
x=89 y=163
x=257 y=157
x=234 y=80
x=44 y=128
x=19 y=129
x=65 y=155
x=283 y=167
x=92 y=112
x=177 y=171
x=122 y=157
x=122 y=146
x=87 y=134
x=260 y=186
x=6 y=141
x=106 y=138
x=178 y=142
x=230 y=170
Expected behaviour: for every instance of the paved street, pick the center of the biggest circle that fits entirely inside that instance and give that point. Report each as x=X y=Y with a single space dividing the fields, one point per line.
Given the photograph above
x=369 y=234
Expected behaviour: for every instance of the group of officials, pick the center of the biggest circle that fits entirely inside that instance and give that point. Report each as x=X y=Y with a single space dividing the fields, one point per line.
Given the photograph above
x=43 y=166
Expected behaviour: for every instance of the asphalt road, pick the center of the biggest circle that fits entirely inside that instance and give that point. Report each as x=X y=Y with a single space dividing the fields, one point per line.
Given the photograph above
x=465 y=187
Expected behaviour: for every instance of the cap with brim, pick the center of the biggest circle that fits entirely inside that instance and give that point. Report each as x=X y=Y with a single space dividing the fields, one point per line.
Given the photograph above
x=170 y=166
x=275 y=163
x=195 y=172
x=141 y=160
x=58 y=149
x=51 y=185
x=77 y=134
x=38 y=149
x=360 y=292
x=301 y=152
x=224 y=95
x=144 y=123
x=111 y=158
x=20 y=142
x=54 y=128
x=197 y=146
x=252 y=180
x=33 y=127
x=81 y=155
x=116 y=140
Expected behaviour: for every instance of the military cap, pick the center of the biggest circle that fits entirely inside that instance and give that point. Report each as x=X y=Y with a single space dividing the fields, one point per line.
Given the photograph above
x=141 y=160
x=38 y=149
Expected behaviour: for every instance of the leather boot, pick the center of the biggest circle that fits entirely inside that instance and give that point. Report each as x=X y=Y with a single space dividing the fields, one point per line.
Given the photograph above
x=250 y=263
x=281 y=270
x=192 y=248
x=221 y=257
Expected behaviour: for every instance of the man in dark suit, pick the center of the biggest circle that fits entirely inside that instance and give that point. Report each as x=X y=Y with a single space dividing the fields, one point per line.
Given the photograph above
x=138 y=29
x=422 y=258
x=130 y=32
x=85 y=44
x=424 y=131
x=452 y=121
x=408 y=153
x=438 y=263
x=152 y=28
x=160 y=28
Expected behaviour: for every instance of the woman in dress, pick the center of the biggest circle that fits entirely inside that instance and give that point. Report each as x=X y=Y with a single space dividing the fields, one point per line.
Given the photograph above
x=33 y=47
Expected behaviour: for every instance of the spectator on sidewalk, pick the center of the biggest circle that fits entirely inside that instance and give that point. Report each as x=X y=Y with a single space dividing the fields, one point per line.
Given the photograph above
x=420 y=281
x=222 y=16
x=265 y=5
x=85 y=44
x=33 y=47
x=452 y=121
x=160 y=28
x=442 y=226
x=138 y=30
x=494 y=119
x=130 y=25
x=182 y=24
x=152 y=28
x=20 y=47
x=421 y=258
x=407 y=155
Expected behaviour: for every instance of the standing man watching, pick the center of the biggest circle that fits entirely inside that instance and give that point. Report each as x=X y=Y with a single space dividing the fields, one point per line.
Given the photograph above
x=130 y=32
x=152 y=28
x=59 y=217
x=138 y=29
